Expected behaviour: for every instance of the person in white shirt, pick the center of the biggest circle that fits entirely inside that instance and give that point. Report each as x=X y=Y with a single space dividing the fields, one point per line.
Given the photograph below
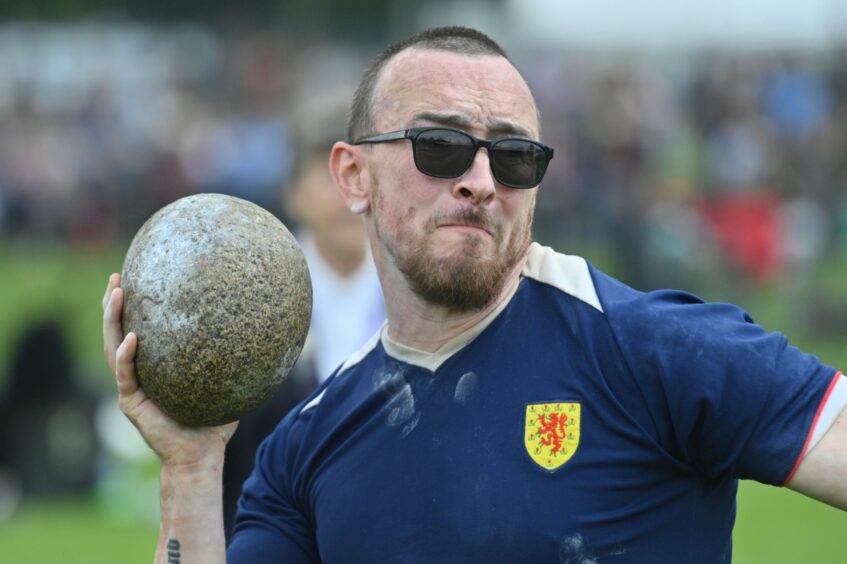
x=347 y=303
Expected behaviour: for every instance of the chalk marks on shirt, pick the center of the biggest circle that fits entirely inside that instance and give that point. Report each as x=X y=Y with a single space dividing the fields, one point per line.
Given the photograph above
x=464 y=387
x=400 y=407
x=574 y=550
x=436 y=441
x=410 y=426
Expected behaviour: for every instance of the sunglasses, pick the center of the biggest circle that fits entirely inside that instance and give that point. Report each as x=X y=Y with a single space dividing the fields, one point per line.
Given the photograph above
x=443 y=152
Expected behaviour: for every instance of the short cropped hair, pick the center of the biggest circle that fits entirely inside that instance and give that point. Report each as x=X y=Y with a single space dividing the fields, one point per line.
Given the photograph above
x=456 y=39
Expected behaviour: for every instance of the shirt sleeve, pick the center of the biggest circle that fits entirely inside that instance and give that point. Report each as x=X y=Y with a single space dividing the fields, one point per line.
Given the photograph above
x=271 y=524
x=726 y=396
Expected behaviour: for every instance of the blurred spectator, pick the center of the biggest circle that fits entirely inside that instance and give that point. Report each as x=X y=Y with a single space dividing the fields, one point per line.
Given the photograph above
x=47 y=436
x=347 y=304
x=746 y=227
x=795 y=99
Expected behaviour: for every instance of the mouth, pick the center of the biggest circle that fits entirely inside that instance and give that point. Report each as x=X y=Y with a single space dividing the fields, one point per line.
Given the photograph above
x=468 y=228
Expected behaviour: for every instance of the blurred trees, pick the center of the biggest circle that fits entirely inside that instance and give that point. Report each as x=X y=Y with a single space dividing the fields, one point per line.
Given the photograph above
x=367 y=22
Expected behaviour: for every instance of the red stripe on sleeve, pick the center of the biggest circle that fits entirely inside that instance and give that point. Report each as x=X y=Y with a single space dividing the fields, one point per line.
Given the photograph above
x=812 y=428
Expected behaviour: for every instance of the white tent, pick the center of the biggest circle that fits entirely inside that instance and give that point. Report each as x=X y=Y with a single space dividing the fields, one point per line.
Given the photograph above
x=680 y=24
x=650 y=25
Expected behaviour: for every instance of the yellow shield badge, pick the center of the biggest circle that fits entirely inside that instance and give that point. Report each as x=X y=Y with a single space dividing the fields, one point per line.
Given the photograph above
x=551 y=433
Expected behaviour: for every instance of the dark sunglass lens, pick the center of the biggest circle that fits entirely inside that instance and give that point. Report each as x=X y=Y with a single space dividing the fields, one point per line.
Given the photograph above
x=443 y=153
x=518 y=163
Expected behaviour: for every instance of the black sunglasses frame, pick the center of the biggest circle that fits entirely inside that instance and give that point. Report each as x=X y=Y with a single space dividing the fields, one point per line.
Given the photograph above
x=489 y=144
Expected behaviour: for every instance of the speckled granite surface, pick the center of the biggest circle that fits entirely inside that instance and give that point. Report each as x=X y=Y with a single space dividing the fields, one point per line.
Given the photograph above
x=219 y=294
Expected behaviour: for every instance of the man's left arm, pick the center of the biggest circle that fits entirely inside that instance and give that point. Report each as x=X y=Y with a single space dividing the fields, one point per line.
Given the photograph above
x=822 y=474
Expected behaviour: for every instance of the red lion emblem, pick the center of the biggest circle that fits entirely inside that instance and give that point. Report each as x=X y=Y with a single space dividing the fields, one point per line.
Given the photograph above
x=553 y=430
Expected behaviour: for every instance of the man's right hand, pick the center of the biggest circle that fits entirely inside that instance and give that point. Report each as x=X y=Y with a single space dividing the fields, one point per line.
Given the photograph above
x=180 y=448
x=192 y=459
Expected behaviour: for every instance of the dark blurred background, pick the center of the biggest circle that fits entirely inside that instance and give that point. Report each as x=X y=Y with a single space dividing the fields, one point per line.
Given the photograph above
x=699 y=147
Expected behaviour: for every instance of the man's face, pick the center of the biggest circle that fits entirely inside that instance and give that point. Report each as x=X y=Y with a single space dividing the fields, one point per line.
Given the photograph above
x=453 y=240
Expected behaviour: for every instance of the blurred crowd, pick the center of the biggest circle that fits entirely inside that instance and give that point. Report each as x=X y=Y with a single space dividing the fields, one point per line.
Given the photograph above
x=99 y=127
x=678 y=164
x=686 y=164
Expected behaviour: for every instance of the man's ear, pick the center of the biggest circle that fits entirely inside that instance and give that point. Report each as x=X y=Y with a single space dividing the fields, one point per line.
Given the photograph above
x=346 y=163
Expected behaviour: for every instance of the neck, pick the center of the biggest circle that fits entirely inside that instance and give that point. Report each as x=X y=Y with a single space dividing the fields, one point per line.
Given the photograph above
x=417 y=324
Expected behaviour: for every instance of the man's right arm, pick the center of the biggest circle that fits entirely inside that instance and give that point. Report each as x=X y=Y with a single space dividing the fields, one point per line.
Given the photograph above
x=191 y=528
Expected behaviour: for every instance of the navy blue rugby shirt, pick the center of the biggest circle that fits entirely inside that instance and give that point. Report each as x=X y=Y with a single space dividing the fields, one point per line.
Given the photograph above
x=582 y=422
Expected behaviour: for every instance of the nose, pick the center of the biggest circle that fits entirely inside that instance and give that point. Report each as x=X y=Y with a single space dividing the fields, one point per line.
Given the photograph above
x=477 y=184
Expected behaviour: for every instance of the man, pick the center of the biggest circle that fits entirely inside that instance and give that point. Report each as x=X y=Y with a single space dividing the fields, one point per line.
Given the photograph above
x=519 y=405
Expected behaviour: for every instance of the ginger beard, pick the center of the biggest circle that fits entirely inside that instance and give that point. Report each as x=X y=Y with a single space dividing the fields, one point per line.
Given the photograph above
x=463 y=279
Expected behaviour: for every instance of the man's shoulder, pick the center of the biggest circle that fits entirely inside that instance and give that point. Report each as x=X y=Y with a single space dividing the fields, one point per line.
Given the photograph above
x=577 y=278
x=567 y=273
x=344 y=374
x=300 y=434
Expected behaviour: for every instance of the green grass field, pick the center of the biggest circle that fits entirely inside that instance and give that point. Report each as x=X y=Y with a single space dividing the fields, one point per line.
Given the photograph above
x=40 y=283
x=774 y=526
x=74 y=532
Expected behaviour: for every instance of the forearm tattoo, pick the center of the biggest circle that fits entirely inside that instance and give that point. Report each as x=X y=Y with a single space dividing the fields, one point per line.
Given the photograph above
x=173 y=551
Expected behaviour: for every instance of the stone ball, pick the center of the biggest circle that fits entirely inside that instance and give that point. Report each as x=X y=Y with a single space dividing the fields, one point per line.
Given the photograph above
x=218 y=292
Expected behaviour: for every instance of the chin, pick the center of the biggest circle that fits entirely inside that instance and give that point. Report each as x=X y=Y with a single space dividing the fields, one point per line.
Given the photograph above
x=467 y=246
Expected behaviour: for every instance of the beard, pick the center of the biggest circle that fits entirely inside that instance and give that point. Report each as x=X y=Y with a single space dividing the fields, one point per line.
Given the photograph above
x=463 y=279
